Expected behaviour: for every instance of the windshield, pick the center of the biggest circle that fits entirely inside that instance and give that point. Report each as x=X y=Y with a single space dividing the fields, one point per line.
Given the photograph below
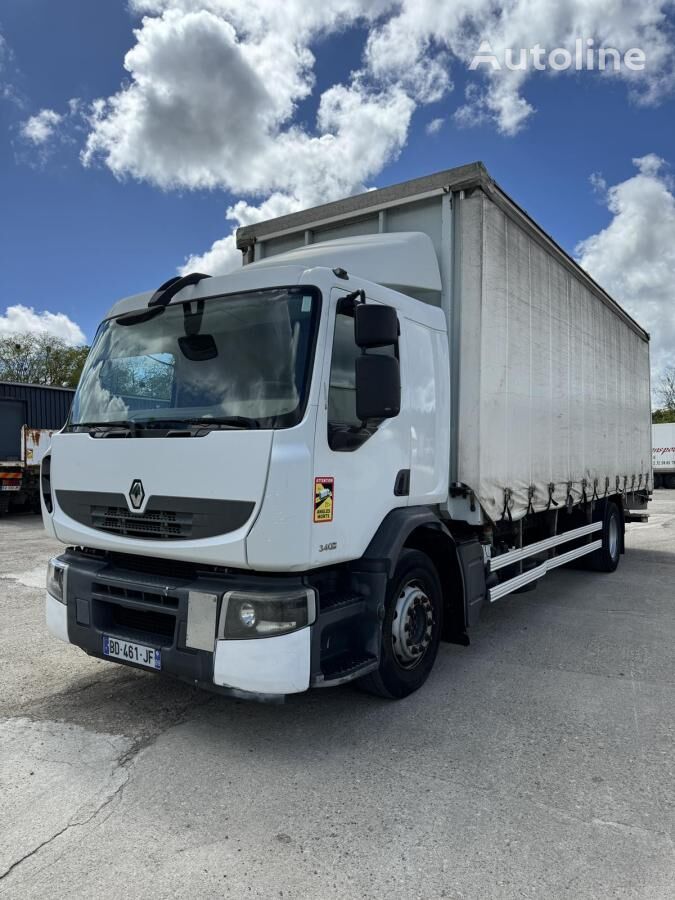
x=243 y=359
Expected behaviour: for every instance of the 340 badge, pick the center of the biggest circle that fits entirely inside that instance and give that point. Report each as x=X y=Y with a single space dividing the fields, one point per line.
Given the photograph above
x=324 y=496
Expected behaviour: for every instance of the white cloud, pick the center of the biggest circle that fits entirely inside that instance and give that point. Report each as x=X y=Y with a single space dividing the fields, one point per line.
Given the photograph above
x=434 y=126
x=208 y=106
x=634 y=256
x=9 y=74
x=20 y=319
x=221 y=258
x=422 y=29
x=598 y=183
x=210 y=103
x=223 y=255
x=214 y=85
x=40 y=127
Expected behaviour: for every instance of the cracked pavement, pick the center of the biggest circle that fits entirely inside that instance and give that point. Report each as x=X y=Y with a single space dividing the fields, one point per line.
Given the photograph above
x=536 y=762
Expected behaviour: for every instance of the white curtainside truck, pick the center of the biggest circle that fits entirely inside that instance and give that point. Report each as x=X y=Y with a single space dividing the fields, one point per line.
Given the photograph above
x=405 y=405
x=663 y=451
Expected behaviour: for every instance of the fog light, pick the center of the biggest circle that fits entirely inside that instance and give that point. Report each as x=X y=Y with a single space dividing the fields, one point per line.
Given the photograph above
x=257 y=614
x=247 y=615
x=56 y=577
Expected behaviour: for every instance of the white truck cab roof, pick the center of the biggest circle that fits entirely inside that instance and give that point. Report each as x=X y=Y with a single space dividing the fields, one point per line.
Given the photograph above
x=400 y=262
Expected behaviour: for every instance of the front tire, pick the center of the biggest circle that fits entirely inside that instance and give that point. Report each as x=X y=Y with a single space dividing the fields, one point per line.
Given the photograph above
x=606 y=559
x=411 y=629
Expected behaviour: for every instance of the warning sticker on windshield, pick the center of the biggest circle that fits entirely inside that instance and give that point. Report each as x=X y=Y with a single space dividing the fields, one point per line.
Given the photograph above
x=323 y=499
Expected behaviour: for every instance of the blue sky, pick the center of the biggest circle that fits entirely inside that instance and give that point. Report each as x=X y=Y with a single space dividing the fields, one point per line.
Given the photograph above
x=74 y=238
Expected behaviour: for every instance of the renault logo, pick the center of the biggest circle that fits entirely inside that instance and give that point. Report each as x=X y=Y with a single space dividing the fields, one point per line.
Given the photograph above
x=136 y=494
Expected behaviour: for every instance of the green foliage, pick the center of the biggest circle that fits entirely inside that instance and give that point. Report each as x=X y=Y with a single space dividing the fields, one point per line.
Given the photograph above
x=40 y=359
x=659 y=416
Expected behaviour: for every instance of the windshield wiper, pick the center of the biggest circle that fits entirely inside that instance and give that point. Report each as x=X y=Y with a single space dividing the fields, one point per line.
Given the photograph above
x=132 y=427
x=222 y=422
x=215 y=422
x=121 y=424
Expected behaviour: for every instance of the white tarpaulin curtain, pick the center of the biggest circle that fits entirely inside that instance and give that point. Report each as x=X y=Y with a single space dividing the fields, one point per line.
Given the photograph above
x=557 y=383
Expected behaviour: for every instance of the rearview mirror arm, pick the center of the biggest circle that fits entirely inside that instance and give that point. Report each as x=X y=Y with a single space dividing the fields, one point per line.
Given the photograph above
x=347 y=304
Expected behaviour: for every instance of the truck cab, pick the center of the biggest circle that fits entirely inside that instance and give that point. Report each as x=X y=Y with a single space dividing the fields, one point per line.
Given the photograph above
x=232 y=453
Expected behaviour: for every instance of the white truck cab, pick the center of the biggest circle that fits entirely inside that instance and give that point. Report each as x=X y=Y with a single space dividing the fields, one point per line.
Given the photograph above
x=273 y=480
x=238 y=455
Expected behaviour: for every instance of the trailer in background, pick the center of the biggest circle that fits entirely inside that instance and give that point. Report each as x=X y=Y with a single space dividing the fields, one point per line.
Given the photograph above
x=663 y=454
x=29 y=415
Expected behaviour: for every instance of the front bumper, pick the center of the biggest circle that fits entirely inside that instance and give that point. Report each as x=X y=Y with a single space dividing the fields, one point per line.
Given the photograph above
x=57 y=618
x=165 y=611
x=165 y=605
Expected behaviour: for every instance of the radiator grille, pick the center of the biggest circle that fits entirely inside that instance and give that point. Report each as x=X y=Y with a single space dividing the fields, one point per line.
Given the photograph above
x=146 y=621
x=119 y=592
x=161 y=524
x=164 y=518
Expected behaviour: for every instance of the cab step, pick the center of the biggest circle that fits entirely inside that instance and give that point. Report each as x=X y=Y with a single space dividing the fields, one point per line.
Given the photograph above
x=336 y=608
x=345 y=667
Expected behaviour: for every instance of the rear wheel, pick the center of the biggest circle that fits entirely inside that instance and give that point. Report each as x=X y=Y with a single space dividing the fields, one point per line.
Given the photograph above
x=606 y=559
x=411 y=629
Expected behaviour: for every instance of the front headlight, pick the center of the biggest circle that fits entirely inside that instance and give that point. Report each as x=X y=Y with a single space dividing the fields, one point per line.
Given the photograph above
x=56 y=579
x=257 y=615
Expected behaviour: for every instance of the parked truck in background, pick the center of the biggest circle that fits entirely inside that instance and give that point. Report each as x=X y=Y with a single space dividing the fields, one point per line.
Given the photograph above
x=29 y=415
x=663 y=454
x=405 y=405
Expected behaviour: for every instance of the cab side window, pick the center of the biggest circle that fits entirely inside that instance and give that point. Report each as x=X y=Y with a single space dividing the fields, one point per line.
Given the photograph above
x=345 y=431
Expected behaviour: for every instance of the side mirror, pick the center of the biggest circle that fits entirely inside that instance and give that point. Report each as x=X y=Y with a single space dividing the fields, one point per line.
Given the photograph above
x=378 y=387
x=375 y=325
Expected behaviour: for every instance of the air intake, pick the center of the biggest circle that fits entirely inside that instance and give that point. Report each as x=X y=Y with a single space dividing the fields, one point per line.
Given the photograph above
x=46 y=482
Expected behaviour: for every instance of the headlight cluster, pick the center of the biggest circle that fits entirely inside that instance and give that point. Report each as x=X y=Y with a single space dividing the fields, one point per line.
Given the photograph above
x=249 y=615
x=56 y=579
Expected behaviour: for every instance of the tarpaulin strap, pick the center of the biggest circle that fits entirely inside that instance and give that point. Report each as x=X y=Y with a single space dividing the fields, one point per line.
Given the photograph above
x=530 y=497
x=632 y=484
x=507 y=500
x=584 y=498
x=569 y=502
x=606 y=485
x=551 y=491
x=618 y=482
x=625 y=485
x=595 y=490
x=640 y=481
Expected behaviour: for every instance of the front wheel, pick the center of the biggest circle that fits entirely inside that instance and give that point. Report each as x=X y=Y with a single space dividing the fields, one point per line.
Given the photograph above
x=411 y=629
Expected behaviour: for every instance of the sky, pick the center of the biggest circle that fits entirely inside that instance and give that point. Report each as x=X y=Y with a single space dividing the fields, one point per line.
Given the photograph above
x=135 y=136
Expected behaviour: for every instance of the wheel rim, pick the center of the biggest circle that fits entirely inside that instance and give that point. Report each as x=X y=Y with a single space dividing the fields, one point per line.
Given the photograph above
x=613 y=537
x=412 y=626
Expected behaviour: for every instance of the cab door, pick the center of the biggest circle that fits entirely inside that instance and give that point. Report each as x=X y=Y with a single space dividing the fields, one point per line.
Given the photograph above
x=360 y=473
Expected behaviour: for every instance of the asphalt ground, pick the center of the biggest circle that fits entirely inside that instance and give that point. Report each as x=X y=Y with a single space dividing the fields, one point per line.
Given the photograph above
x=538 y=762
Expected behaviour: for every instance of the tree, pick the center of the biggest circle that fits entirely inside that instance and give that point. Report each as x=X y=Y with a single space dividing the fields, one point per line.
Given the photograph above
x=665 y=389
x=40 y=359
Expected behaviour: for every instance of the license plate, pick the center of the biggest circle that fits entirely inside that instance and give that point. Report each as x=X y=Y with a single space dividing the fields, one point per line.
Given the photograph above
x=134 y=653
x=11 y=487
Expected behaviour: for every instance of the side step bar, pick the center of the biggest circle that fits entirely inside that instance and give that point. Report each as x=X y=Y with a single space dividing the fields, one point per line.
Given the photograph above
x=514 y=556
x=345 y=668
